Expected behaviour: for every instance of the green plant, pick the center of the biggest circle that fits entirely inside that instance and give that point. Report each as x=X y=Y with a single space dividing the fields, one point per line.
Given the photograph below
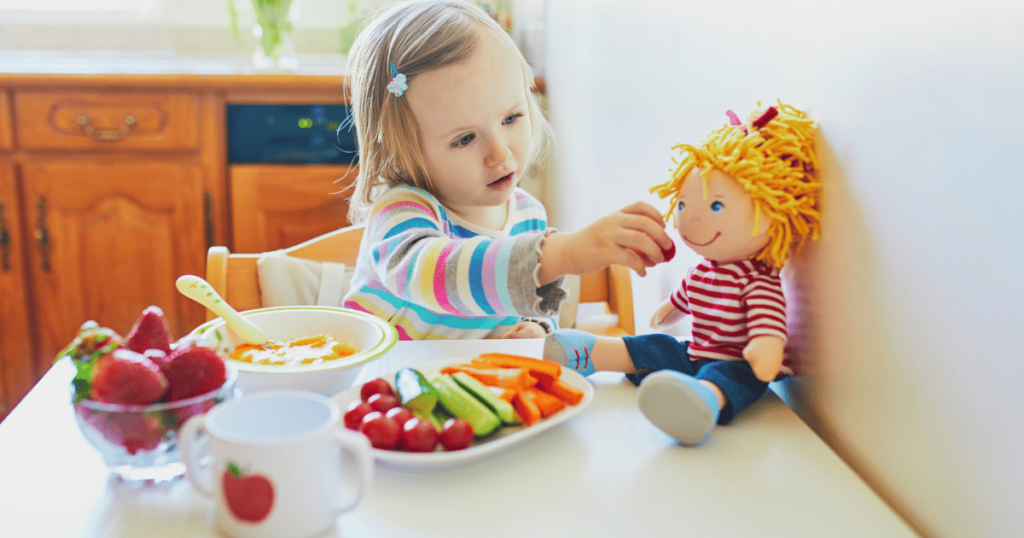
x=272 y=18
x=347 y=33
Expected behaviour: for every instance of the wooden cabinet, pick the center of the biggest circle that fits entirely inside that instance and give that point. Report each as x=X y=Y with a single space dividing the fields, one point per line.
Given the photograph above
x=19 y=368
x=117 y=121
x=107 y=195
x=275 y=207
x=111 y=237
x=114 y=183
x=6 y=136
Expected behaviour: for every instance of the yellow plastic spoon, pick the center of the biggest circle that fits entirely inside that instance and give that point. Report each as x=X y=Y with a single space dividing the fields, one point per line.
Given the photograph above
x=200 y=291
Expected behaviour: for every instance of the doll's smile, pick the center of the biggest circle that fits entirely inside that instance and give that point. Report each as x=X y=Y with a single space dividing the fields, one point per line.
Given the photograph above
x=704 y=244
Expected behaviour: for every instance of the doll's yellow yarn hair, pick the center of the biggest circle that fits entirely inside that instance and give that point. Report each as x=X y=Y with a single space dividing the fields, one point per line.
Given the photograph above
x=776 y=165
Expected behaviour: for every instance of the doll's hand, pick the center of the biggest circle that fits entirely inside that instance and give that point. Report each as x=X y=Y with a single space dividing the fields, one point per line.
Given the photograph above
x=525 y=329
x=764 y=353
x=666 y=315
x=633 y=236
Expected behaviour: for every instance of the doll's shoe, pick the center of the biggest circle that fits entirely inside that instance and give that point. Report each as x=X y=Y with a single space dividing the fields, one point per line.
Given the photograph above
x=571 y=348
x=679 y=405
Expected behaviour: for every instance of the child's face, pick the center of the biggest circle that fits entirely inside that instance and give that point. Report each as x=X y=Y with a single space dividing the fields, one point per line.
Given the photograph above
x=720 y=227
x=474 y=130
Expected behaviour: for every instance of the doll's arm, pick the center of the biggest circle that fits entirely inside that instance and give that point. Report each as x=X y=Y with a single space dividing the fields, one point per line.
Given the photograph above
x=666 y=315
x=764 y=353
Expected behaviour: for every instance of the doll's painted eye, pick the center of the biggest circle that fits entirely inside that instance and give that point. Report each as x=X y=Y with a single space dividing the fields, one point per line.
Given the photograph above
x=717 y=207
x=680 y=206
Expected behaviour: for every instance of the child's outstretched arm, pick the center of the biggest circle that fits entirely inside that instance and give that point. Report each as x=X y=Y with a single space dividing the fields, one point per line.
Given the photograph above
x=407 y=247
x=620 y=238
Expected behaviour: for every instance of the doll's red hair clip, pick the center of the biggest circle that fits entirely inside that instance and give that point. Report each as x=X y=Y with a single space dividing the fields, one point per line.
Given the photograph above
x=768 y=116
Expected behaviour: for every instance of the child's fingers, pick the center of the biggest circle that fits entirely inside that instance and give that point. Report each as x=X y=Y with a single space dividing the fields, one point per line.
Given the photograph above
x=654 y=230
x=633 y=261
x=643 y=245
x=645 y=209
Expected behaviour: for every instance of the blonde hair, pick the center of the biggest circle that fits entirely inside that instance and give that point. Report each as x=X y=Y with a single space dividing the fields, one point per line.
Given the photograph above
x=418 y=36
x=776 y=165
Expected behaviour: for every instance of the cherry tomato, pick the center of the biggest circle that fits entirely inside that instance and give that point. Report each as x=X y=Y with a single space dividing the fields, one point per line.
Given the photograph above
x=382 y=402
x=356 y=411
x=456 y=434
x=670 y=253
x=419 y=435
x=375 y=386
x=400 y=415
x=382 y=431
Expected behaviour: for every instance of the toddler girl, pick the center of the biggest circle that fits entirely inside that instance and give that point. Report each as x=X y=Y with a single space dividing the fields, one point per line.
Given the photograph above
x=447 y=126
x=745 y=199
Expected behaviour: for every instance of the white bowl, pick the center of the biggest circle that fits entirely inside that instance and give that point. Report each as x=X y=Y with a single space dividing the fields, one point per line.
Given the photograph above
x=368 y=334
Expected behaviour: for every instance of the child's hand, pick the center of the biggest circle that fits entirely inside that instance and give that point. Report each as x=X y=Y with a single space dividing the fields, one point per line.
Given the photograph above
x=620 y=238
x=666 y=315
x=764 y=353
x=525 y=329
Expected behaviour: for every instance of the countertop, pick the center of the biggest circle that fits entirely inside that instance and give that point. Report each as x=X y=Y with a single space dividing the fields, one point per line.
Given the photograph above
x=162 y=67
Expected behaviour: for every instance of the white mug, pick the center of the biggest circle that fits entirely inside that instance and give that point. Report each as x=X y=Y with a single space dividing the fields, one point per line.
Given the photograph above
x=276 y=463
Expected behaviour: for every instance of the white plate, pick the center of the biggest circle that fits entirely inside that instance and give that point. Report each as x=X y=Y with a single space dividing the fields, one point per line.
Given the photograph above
x=505 y=437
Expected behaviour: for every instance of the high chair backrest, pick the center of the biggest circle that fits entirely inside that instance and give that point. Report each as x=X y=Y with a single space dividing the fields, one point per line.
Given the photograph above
x=234 y=277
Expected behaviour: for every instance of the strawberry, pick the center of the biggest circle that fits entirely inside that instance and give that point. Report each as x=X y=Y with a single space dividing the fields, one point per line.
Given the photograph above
x=150 y=332
x=158 y=357
x=91 y=338
x=193 y=370
x=133 y=431
x=126 y=377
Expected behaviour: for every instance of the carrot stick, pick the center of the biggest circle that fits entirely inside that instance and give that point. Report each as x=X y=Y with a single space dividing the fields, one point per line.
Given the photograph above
x=548 y=404
x=524 y=404
x=534 y=366
x=508 y=395
x=559 y=388
x=516 y=378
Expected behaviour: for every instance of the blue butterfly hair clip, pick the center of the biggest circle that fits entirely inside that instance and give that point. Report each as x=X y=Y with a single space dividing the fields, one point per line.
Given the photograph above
x=397 y=85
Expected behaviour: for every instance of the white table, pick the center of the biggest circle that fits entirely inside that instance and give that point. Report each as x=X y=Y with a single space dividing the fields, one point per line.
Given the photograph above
x=606 y=472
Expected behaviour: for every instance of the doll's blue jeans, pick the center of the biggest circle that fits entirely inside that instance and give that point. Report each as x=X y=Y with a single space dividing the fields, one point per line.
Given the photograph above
x=653 y=352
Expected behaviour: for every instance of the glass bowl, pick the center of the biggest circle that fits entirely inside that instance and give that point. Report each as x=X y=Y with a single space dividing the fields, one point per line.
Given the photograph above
x=139 y=443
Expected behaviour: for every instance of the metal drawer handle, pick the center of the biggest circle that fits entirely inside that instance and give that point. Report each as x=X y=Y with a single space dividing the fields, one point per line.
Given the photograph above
x=106 y=136
x=5 y=242
x=43 y=235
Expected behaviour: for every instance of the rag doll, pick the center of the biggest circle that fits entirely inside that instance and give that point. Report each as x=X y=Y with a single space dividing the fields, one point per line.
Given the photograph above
x=745 y=200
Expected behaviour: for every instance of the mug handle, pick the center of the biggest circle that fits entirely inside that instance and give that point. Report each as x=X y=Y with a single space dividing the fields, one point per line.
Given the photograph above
x=359 y=446
x=187 y=437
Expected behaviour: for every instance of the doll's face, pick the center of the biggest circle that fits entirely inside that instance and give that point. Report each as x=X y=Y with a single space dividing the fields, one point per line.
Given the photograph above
x=721 y=226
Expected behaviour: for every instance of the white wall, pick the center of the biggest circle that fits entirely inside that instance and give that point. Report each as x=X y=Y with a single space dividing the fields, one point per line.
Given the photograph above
x=906 y=315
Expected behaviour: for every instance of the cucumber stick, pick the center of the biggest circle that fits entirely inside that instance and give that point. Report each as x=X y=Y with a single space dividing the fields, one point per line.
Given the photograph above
x=417 y=395
x=464 y=405
x=503 y=409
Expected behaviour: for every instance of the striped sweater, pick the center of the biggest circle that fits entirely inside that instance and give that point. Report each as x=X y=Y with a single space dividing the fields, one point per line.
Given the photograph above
x=731 y=303
x=433 y=275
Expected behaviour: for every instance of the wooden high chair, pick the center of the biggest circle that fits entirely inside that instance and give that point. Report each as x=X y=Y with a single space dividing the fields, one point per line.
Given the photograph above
x=233 y=276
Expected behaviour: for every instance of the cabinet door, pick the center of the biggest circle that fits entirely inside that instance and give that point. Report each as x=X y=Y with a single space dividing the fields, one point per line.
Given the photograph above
x=6 y=138
x=18 y=369
x=111 y=237
x=278 y=206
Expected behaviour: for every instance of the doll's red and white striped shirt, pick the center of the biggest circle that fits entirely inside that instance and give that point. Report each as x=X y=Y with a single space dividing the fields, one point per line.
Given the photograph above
x=731 y=303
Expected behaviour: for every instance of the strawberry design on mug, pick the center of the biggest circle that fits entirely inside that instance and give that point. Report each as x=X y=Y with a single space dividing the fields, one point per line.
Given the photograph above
x=249 y=496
